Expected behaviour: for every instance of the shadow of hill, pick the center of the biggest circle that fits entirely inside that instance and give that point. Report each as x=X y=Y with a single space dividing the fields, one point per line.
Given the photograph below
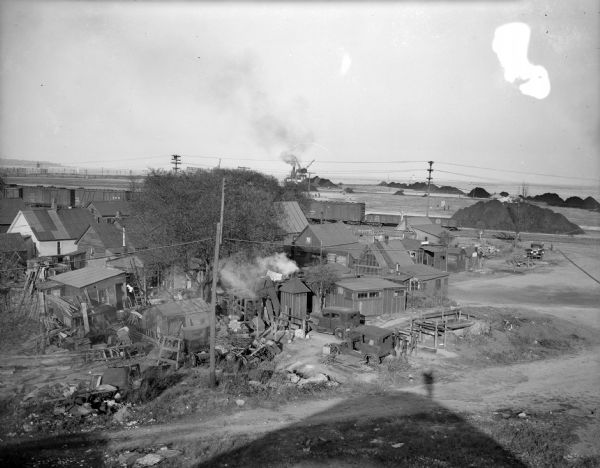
x=371 y=431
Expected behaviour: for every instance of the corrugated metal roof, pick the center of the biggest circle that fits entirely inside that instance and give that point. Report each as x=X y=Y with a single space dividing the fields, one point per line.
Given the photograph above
x=333 y=234
x=367 y=283
x=9 y=207
x=110 y=208
x=395 y=251
x=290 y=217
x=48 y=225
x=86 y=276
x=13 y=242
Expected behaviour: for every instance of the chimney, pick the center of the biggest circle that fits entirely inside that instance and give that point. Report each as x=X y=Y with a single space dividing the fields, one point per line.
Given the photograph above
x=124 y=243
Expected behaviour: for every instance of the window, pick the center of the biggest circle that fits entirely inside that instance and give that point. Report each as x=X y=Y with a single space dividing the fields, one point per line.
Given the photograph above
x=308 y=239
x=398 y=293
x=362 y=295
x=340 y=290
x=374 y=294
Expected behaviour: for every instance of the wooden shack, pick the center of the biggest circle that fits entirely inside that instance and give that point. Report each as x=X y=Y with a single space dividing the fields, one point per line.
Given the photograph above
x=294 y=300
x=370 y=295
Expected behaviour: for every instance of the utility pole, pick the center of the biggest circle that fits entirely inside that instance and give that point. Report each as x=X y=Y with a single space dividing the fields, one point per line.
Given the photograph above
x=430 y=170
x=213 y=292
x=176 y=161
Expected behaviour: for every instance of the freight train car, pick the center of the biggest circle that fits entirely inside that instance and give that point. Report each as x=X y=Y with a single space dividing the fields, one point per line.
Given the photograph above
x=383 y=219
x=12 y=191
x=46 y=196
x=84 y=196
x=64 y=197
x=331 y=210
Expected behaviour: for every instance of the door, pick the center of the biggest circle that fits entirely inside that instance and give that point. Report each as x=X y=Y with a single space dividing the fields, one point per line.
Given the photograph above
x=119 y=293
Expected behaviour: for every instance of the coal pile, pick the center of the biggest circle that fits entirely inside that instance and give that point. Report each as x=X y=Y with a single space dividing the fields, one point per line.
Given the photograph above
x=322 y=183
x=520 y=217
x=552 y=199
x=479 y=192
x=422 y=187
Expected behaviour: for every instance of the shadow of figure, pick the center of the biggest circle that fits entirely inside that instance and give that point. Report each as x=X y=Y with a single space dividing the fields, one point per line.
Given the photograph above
x=368 y=431
x=428 y=380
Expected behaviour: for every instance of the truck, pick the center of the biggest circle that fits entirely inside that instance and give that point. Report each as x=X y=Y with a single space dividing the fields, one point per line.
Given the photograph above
x=338 y=321
x=368 y=341
x=536 y=251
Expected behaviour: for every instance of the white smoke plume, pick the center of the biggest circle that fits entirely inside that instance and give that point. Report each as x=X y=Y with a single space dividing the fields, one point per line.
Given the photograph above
x=242 y=278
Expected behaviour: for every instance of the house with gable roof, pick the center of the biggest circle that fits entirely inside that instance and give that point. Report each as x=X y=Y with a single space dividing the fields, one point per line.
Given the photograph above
x=53 y=231
x=332 y=242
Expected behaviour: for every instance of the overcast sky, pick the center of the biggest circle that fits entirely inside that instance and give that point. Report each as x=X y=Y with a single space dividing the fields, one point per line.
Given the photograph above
x=365 y=89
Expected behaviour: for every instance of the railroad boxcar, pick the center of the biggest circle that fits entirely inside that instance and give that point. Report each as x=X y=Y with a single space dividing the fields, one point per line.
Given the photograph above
x=378 y=219
x=330 y=210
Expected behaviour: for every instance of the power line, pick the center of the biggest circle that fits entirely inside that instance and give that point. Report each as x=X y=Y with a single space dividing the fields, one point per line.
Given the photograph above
x=519 y=172
x=176 y=161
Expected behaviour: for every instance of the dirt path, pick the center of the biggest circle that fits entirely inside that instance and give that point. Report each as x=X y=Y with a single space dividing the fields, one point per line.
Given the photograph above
x=532 y=386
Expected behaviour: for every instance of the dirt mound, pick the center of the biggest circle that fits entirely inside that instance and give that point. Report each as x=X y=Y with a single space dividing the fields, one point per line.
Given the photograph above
x=521 y=217
x=479 y=192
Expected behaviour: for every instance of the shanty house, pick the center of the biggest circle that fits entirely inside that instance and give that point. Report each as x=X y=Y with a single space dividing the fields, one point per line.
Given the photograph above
x=433 y=255
x=53 y=231
x=9 y=208
x=432 y=233
x=370 y=295
x=101 y=241
x=423 y=281
x=290 y=219
x=109 y=211
x=334 y=242
x=178 y=318
x=382 y=258
x=294 y=296
x=92 y=284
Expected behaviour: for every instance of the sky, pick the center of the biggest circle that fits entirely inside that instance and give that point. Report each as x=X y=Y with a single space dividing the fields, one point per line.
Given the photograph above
x=366 y=90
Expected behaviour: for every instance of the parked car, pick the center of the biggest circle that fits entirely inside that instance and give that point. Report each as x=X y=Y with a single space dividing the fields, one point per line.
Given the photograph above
x=372 y=343
x=336 y=320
